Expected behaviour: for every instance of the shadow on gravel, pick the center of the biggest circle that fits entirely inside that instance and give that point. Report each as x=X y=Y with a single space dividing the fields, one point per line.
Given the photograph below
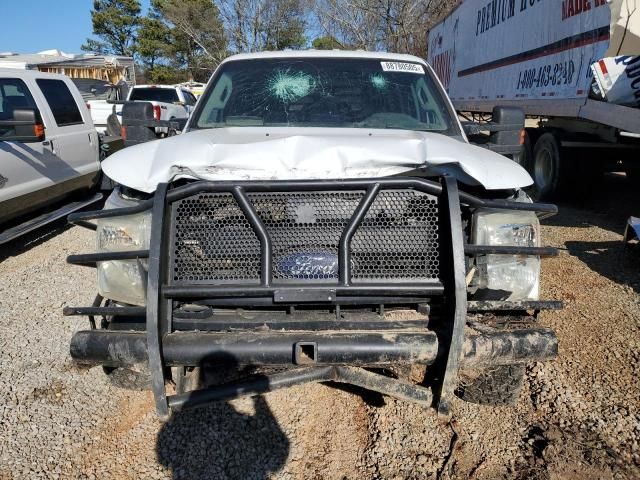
x=608 y=206
x=33 y=239
x=613 y=200
x=611 y=260
x=219 y=442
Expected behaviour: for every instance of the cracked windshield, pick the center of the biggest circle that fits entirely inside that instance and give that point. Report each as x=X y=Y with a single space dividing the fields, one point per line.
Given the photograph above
x=348 y=93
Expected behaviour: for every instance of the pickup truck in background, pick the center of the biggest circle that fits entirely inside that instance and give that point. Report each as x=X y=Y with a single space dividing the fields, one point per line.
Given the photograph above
x=169 y=103
x=102 y=99
x=49 y=150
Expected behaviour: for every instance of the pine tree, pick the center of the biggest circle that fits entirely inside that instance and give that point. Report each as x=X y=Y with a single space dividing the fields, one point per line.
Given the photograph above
x=115 y=22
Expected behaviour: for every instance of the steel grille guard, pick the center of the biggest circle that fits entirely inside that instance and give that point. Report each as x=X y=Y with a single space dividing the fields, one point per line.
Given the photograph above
x=161 y=293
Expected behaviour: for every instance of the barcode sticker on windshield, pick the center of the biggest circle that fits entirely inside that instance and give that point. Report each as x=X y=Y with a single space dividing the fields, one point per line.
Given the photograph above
x=402 y=67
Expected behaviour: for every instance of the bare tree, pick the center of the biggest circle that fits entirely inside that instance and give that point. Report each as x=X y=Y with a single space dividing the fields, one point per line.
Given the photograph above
x=199 y=21
x=255 y=25
x=393 y=25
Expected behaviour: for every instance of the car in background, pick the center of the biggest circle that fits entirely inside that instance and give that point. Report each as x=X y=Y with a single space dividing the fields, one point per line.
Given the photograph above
x=196 y=88
x=169 y=103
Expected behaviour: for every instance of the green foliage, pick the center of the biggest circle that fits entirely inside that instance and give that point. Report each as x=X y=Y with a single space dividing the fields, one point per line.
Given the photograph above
x=326 y=43
x=154 y=38
x=115 y=23
x=285 y=26
x=165 y=74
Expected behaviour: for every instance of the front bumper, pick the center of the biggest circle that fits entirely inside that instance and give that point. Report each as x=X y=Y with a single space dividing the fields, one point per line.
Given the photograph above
x=290 y=349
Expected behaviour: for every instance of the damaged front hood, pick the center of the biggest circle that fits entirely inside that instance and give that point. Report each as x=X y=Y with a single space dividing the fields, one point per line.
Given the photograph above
x=260 y=153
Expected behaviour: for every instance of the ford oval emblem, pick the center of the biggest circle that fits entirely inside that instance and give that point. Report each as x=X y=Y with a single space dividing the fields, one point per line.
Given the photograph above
x=322 y=265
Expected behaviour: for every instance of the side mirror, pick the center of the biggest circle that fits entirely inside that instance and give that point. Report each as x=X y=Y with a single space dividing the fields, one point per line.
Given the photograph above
x=504 y=134
x=509 y=123
x=26 y=126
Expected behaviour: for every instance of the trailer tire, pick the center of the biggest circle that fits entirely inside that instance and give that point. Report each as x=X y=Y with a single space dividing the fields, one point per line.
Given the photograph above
x=498 y=385
x=546 y=167
x=129 y=378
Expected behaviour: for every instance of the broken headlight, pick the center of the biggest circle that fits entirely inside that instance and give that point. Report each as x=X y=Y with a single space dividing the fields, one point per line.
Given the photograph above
x=123 y=280
x=507 y=277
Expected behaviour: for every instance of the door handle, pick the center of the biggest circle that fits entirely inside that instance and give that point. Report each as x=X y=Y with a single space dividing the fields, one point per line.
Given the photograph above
x=49 y=143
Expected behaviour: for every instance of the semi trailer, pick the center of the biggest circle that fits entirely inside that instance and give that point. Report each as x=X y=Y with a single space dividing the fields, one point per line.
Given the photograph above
x=539 y=56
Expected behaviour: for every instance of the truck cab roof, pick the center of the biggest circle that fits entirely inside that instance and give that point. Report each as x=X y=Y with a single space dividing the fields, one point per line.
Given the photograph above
x=312 y=53
x=18 y=73
x=155 y=86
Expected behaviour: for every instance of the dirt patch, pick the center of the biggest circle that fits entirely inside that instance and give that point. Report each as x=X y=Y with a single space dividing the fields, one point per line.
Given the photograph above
x=52 y=393
x=328 y=429
x=118 y=446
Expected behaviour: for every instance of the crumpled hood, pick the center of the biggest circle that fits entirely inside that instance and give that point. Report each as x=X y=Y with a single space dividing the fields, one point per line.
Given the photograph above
x=260 y=153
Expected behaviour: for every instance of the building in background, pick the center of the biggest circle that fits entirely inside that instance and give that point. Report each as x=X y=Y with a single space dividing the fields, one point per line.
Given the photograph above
x=107 y=68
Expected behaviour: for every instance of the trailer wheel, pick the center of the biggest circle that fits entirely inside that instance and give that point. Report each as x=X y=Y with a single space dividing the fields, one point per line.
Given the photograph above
x=498 y=385
x=547 y=168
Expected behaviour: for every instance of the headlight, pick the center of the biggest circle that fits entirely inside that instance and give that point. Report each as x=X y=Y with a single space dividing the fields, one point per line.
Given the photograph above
x=123 y=280
x=510 y=277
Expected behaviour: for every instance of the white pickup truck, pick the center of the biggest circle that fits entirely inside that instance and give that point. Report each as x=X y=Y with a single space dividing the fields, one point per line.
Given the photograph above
x=49 y=149
x=169 y=102
x=322 y=219
x=104 y=102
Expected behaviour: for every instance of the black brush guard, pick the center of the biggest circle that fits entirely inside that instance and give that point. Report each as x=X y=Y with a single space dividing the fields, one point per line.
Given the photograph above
x=183 y=267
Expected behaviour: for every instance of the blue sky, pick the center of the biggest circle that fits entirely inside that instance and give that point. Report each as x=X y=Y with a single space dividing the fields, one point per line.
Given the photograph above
x=29 y=26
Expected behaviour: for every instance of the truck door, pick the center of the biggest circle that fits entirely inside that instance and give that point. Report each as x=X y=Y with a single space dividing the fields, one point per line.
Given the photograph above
x=76 y=140
x=29 y=172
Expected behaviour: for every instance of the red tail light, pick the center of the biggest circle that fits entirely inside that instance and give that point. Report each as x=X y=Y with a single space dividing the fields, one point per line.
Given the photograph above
x=88 y=105
x=123 y=133
x=156 y=112
x=38 y=130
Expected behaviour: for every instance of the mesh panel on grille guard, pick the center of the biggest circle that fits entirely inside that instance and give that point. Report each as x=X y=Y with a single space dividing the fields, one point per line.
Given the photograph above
x=398 y=238
x=305 y=228
x=212 y=241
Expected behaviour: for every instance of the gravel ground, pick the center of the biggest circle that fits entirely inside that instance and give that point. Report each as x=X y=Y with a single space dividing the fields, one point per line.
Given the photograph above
x=577 y=418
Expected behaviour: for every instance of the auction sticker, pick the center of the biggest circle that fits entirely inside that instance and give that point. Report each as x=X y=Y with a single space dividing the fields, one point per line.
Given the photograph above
x=402 y=67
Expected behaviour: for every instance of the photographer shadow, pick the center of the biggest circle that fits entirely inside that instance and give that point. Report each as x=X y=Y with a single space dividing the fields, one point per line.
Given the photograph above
x=219 y=441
